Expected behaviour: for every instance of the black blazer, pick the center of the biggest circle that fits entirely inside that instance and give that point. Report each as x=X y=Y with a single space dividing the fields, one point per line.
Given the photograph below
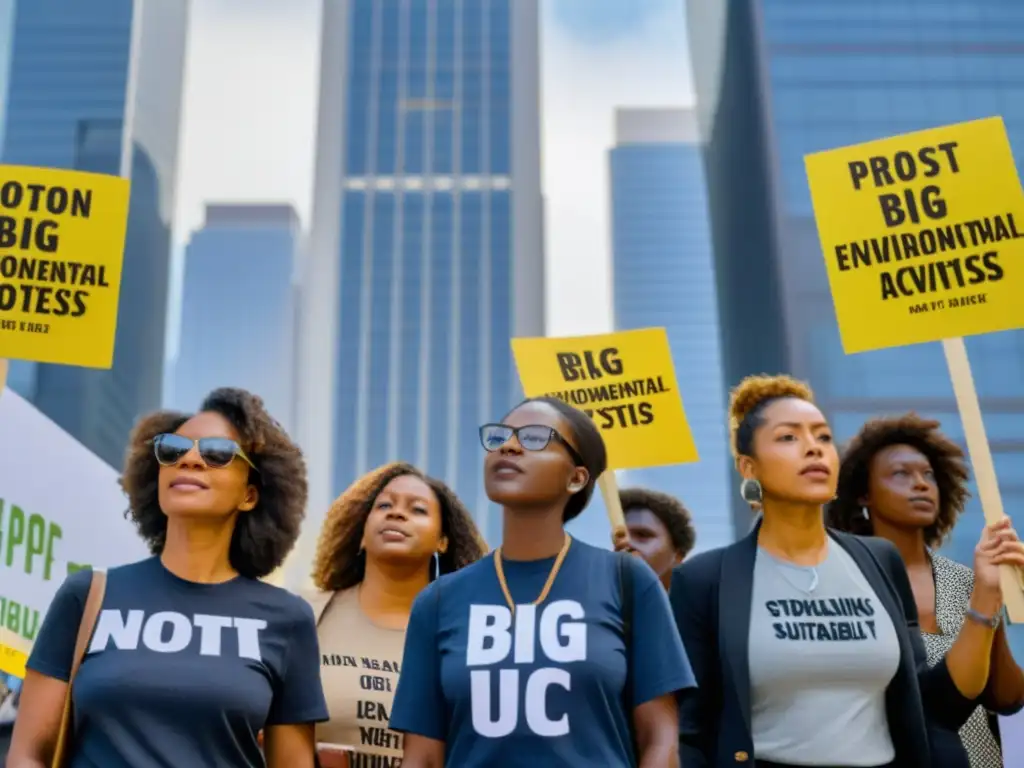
x=711 y=598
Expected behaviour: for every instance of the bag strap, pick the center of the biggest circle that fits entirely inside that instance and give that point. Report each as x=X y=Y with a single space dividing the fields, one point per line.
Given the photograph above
x=93 y=603
x=626 y=608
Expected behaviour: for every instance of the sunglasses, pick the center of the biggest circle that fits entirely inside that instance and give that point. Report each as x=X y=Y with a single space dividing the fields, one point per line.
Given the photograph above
x=532 y=437
x=216 y=452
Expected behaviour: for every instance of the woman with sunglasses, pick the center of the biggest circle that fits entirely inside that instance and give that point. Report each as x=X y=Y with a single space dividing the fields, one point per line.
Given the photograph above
x=529 y=656
x=192 y=654
x=388 y=535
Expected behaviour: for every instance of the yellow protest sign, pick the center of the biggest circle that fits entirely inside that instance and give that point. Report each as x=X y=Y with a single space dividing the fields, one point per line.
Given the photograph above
x=624 y=381
x=13 y=654
x=921 y=235
x=61 y=249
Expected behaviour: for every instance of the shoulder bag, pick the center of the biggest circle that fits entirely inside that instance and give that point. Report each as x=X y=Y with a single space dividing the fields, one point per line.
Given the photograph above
x=93 y=603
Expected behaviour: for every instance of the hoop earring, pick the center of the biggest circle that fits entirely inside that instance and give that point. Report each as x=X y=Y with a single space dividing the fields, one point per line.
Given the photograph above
x=867 y=514
x=436 y=567
x=751 y=491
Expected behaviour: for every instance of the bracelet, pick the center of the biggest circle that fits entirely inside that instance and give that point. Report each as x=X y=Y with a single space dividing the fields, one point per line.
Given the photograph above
x=992 y=622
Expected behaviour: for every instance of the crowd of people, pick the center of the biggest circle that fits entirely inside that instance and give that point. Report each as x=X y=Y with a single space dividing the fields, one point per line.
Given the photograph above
x=832 y=635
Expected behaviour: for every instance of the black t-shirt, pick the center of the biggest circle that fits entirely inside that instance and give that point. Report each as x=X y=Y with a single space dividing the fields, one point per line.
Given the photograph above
x=182 y=674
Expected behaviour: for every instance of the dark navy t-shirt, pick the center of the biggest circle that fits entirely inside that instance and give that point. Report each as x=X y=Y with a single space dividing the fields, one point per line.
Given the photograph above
x=544 y=688
x=179 y=673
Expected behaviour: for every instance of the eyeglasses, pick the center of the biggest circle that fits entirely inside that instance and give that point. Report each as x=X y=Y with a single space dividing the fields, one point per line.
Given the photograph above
x=216 y=452
x=532 y=437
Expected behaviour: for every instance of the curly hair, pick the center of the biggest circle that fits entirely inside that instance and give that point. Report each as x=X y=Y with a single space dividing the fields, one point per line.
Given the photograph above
x=945 y=457
x=747 y=403
x=265 y=535
x=668 y=509
x=337 y=565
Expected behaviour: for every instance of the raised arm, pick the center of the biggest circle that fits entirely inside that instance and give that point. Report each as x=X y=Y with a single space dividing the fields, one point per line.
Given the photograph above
x=944 y=703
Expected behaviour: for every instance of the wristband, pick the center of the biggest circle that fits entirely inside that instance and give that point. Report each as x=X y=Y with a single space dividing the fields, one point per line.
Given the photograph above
x=992 y=622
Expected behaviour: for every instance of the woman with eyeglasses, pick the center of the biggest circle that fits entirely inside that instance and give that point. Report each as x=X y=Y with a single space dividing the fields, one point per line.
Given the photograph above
x=535 y=655
x=805 y=641
x=192 y=655
x=385 y=539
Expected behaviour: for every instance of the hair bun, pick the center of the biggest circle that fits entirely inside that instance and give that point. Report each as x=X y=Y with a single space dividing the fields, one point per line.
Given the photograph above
x=754 y=390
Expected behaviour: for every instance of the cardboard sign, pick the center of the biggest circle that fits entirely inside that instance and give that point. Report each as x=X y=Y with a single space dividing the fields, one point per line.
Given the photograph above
x=49 y=529
x=922 y=235
x=624 y=381
x=61 y=249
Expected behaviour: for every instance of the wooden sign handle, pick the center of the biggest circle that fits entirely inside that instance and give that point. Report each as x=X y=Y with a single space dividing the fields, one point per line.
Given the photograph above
x=609 y=486
x=981 y=462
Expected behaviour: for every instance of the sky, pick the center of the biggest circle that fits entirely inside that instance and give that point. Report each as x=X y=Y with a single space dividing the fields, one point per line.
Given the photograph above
x=250 y=106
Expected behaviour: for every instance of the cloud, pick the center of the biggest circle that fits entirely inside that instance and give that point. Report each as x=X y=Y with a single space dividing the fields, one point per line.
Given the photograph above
x=582 y=85
x=251 y=86
x=249 y=127
x=605 y=21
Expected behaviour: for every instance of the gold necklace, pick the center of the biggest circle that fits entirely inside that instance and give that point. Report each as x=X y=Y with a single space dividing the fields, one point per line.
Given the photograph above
x=547 y=585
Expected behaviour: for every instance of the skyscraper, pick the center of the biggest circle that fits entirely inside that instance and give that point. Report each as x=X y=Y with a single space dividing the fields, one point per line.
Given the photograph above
x=664 y=276
x=426 y=245
x=96 y=85
x=238 y=308
x=778 y=79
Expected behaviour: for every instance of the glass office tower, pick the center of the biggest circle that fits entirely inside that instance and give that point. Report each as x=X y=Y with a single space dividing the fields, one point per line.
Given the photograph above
x=778 y=79
x=426 y=246
x=96 y=85
x=242 y=337
x=664 y=275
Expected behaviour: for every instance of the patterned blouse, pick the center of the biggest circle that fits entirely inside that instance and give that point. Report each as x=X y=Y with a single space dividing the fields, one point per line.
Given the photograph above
x=953 y=586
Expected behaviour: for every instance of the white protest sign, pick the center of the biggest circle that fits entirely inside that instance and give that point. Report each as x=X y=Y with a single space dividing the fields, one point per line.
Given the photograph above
x=61 y=508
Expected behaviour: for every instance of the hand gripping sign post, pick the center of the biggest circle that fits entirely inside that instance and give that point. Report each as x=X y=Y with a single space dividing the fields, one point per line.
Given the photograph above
x=922 y=238
x=627 y=384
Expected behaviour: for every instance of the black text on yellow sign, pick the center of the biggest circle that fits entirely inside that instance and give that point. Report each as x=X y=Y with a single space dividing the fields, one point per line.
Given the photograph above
x=61 y=250
x=921 y=235
x=625 y=381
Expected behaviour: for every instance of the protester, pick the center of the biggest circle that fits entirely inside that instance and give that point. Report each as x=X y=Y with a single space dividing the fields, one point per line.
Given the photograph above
x=531 y=652
x=192 y=654
x=385 y=538
x=905 y=481
x=806 y=645
x=659 y=528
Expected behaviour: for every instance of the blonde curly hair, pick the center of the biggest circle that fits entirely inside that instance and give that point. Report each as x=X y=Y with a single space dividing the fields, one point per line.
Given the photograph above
x=338 y=566
x=748 y=400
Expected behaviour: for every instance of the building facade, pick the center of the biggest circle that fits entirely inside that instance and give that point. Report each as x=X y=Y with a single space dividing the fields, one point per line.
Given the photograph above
x=96 y=85
x=778 y=79
x=664 y=276
x=426 y=250
x=242 y=337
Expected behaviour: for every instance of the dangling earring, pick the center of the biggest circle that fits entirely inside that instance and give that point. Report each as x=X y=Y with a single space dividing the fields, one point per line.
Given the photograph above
x=864 y=511
x=751 y=491
x=437 y=566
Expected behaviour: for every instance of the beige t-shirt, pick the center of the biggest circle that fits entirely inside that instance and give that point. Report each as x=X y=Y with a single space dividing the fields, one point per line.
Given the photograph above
x=359 y=665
